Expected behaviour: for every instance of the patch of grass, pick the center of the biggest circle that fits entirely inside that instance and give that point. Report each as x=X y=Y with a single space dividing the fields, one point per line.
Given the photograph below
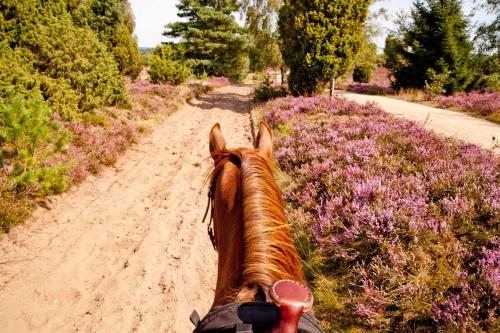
x=285 y=129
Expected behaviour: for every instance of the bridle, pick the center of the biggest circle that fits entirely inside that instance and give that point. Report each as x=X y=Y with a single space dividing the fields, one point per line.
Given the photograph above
x=211 y=200
x=210 y=207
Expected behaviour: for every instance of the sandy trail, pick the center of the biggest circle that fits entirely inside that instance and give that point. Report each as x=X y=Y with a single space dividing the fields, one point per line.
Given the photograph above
x=449 y=123
x=125 y=251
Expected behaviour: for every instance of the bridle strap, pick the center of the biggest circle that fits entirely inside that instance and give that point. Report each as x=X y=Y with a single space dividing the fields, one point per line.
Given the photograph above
x=210 y=207
x=210 y=203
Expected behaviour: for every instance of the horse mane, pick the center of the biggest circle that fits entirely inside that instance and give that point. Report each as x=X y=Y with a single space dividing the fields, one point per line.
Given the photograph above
x=269 y=253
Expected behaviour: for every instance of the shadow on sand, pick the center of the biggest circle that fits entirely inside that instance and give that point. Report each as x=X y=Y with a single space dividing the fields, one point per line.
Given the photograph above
x=219 y=99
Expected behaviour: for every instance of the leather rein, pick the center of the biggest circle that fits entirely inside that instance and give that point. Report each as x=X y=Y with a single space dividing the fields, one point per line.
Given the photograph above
x=210 y=207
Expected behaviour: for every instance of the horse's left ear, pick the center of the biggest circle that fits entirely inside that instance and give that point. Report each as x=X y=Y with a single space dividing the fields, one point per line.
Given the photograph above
x=265 y=140
x=217 y=142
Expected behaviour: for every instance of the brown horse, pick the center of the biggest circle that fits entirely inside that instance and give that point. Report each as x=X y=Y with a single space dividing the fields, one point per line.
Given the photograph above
x=252 y=236
x=258 y=262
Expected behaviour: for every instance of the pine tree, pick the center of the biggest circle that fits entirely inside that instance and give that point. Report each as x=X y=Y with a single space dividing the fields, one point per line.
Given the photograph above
x=320 y=40
x=213 y=42
x=434 y=45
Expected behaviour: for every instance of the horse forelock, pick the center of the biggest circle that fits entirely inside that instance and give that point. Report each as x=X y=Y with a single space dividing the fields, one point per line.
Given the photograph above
x=269 y=253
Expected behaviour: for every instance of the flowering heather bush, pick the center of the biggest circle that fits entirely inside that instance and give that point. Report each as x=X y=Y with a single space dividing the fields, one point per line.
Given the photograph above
x=94 y=146
x=149 y=98
x=369 y=88
x=147 y=88
x=485 y=104
x=399 y=228
x=218 y=81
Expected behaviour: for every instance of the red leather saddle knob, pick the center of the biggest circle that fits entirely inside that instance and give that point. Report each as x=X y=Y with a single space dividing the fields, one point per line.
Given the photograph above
x=293 y=299
x=288 y=292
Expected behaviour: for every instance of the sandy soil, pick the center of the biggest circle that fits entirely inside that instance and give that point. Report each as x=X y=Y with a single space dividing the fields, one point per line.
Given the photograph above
x=450 y=123
x=125 y=251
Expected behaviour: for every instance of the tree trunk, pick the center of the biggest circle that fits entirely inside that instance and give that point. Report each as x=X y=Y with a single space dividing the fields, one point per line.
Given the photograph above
x=283 y=74
x=332 y=88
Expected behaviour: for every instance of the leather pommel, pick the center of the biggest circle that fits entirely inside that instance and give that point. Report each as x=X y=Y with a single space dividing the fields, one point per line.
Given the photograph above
x=288 y=292
x=293 y=299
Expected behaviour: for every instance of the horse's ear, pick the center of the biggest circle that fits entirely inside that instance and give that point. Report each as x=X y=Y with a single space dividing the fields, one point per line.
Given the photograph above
x=217 y=142
x=265 y=140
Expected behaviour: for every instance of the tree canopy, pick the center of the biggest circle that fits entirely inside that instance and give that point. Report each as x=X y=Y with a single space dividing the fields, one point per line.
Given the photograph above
x=320 y=40
x=113 y=21
x=432 y=44
x=54 y=48
x=212 y=41
x=261 y=18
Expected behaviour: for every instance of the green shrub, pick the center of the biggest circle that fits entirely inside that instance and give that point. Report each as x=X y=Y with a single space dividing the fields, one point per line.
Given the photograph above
x=146 y=55
x=488 y=82
x=45 y=51
x=362 y=74
x=319 y=48
x=436 y=82
x=166 y=68
x=266 y=91
x=113 y=23
x=264 y=94
x=28 y=137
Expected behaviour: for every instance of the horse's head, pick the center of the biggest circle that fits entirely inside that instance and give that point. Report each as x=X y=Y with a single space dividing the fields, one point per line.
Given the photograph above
x=252 y=237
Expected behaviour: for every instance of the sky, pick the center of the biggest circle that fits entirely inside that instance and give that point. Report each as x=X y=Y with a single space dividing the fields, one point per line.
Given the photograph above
x=151 y=16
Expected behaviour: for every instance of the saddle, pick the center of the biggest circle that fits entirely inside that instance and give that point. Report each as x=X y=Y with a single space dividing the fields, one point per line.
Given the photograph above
x=288 y=314
x=247 y=318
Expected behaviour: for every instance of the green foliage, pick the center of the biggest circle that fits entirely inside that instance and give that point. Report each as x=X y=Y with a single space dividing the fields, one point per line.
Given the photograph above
x=43 y=50
x=165 y=67
x=320 y=40
x=487 y=72
x=14 y=209
x=362 y=74
x=487 y=39
x=28 y=137
x=213 y=42
x=260 y=21
x=367 y=53
x=434 y=85
x=113 y=22
x=264 y=51
x=266 y=91
x=436 y=38
x=146 y=55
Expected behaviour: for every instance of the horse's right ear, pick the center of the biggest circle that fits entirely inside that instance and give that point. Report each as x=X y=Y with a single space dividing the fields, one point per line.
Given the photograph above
x=217 y=142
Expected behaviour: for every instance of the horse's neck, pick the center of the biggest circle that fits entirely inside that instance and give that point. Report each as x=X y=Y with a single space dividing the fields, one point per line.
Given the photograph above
x=269 y=253
x=229 y=235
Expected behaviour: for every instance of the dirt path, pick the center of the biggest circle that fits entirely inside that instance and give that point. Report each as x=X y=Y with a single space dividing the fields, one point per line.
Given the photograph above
x=125 y=251
x=449 y=123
